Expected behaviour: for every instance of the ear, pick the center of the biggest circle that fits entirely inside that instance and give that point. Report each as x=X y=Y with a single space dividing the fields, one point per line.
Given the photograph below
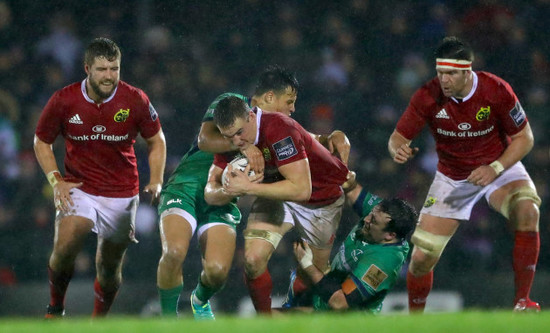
x=87 y=69
x=269 y=97
x=390 y=236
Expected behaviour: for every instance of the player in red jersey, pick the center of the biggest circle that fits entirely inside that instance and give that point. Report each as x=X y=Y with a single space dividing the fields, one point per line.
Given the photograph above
x=302 y=189
x=99 y=118
x=481 y=134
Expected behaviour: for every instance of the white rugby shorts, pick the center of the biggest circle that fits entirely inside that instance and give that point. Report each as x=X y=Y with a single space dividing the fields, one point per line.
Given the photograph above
x=113 y=218
x=455 y=199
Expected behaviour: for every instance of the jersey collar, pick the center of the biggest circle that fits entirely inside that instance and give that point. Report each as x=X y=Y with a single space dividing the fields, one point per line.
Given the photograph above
x=472 y=91
x=86 y=97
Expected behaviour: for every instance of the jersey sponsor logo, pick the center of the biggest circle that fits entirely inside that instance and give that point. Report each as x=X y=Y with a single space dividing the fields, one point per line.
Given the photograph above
x=285 y=149
x=99 y=136
x=464 y=126
x=152 y=112
x=429 y=202
x=483 y=114
x=76 y=120
x=374 y=276
x=122 y=115
x=99 y=128
x=465 y=133
x=267 y=154
x=442 y=114
x=174 y=201
x=518 y=114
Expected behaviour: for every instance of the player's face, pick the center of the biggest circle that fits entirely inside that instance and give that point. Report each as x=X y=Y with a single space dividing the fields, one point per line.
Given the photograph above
x=454 y=82
x=103 y=77
x=242 y=133
x=374 y=225
x=284 y=103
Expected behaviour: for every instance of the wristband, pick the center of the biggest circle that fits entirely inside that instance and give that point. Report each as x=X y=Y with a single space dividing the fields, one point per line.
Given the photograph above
x=52 y=177
x=307 y=259
x=497 y=166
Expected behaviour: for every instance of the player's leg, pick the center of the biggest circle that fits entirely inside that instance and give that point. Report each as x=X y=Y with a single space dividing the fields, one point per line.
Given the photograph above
x=70 y=234
x=518 y=201
x=218 y=247
x=109 y=258
x=262 y=235
x=175 y=234
x=430 y=238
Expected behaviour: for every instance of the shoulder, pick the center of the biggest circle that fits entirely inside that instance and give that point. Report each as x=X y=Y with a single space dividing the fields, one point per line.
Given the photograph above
x=429 y=93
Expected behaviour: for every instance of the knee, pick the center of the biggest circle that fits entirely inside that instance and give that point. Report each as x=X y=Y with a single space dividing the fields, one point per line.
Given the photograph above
x=526 y=216
x=421 y=263
x=174 y=254
x=216 y=272
x=254 y=264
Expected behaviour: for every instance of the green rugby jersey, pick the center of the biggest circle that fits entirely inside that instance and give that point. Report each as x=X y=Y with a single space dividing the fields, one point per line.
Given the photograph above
x=374 y=268
x=194 y=165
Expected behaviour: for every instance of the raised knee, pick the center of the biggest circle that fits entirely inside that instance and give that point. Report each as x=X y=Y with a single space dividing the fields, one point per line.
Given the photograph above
x=216 y=272
x=174 y=254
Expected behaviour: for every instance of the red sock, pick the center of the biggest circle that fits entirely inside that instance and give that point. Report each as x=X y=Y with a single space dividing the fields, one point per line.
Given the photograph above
x=58 y=287
x=525 y=257
x=260 y=292
x=419 y=288
x=103 y=299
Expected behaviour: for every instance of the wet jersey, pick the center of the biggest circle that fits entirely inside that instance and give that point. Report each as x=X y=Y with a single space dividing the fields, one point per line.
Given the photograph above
x=282 y=141
x=470 y=132
x=99 y=139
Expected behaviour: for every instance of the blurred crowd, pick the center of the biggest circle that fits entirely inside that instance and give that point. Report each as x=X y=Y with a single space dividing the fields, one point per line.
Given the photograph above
x=358 y=63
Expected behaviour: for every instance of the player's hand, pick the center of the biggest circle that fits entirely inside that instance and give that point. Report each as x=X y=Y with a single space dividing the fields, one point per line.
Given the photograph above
x=405 y=153
x=482 y=176
x=303 y=254
x=236 y=181
x=154 y=190
x=62 y=195
x=255 y=159
x=338 y=144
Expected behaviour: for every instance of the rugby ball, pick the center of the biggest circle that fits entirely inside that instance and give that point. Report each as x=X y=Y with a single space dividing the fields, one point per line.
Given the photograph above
x=238 y=163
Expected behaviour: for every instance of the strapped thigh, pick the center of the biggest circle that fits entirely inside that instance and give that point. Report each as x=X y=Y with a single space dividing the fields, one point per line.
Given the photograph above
x=521 y=193
x=428 y=242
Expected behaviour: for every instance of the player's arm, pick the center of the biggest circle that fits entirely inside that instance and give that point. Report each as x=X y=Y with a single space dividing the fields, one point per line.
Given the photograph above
x=61 y=188
x=521 y=145
x=211 y=140
x=295 y=187
x=399 y=148
x=156 y=147
x=214 y=193
x=336 y=142
x=327 y=286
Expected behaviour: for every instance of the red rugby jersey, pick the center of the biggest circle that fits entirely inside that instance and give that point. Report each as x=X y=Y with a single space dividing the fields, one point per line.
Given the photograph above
x=99 y=138
x=468 y=133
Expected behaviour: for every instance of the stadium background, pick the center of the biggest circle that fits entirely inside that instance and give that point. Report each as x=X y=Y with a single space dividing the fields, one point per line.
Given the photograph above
x=358 y=62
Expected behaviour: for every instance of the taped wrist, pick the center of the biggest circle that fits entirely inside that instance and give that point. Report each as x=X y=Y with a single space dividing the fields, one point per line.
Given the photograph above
x=497 y=166
x=307 y=259
x=54 y=177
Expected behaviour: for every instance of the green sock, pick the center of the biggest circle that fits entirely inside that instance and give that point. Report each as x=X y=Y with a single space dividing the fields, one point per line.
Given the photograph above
x=203 y=292
x=169 y=300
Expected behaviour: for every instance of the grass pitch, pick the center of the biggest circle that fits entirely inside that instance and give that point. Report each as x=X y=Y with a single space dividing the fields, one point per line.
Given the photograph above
x=468 y=321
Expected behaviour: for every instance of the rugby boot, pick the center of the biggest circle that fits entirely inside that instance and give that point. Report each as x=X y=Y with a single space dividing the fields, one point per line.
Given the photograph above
x=290 y=300
x=526 y=305
x=54 y=312
x=201 y=312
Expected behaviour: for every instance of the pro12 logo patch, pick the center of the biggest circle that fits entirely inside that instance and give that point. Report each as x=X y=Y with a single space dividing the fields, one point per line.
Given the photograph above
x=285 y=148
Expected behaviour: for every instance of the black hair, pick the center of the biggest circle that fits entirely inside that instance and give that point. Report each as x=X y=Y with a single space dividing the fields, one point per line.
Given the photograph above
x=277 y=79
x=403 y=216
x=453 y=48
x=228 y=110
x=101 y=47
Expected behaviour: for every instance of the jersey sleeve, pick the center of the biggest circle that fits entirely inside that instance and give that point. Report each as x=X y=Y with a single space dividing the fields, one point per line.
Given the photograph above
x=149 y=123
x=286 y=142
x=51 y=119
x=513 y=118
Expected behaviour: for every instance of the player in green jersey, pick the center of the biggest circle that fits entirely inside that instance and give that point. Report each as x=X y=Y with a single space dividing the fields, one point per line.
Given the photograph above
x=369 y=260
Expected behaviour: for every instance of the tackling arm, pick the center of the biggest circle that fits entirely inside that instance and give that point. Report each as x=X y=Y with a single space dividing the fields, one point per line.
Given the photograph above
x=214 y=194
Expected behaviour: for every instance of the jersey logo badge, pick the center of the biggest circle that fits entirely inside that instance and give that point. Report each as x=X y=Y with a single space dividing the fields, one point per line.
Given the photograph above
x=152 y=112
x=374 y=276
x=464 y=126
x=442 y=114
x=518 y=115
x=483 y=114
x=429 y=202
x=267 y=154
x=285 y=149
x=122 y=115
x=76 y=120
